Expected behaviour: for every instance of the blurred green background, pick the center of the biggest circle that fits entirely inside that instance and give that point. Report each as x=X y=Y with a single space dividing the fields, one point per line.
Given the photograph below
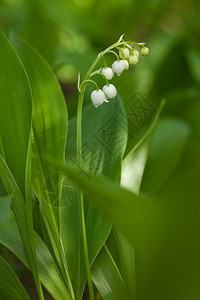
x=69 y=35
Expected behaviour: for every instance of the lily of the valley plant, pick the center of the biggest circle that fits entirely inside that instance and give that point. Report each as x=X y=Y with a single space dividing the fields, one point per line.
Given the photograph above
x=48 y=230
x=127 y=55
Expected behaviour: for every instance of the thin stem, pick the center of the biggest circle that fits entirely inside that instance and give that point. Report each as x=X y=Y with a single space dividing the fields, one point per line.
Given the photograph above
x=85 y=246
x=105 y=64
x=134 y=43
x=79 y=157
x=88 y=80
x=54 y=238
x=81 y=200
x=101 y=54
x=132 y=51
x=98 y=73
x=120 y=49
x=113 y=52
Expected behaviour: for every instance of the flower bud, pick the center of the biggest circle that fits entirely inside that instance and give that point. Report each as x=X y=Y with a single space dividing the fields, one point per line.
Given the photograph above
x=145 y=51
x=133 y=60
x=136 y=52
x=98 y=97
x=118 y=67
x=108 y=73
x=126 y=64
x=110 y=91
x=124 y=51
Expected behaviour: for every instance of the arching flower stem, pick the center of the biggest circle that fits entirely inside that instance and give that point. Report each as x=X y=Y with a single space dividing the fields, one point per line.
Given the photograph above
x=88 y=80
x=120 y=49
x=107 y=82
x=79 y=154
x=105 y=64
x=113 y=52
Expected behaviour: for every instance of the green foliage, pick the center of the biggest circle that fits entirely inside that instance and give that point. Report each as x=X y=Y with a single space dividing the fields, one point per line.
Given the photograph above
x=15 y=124
x=11 y=287
x=139 y=167
x=48 y=271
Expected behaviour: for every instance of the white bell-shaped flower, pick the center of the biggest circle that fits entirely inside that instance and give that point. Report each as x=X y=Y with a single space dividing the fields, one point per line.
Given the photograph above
x=133 y=60
x=108 y=73
x=126 y=64
x=124 y=53
x=110 y=91
x=136 y=52
x=118 y=67
x=98 y=97
x=145 y=51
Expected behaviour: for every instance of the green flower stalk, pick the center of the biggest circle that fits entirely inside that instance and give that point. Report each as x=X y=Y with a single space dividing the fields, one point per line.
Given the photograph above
x=98 y=97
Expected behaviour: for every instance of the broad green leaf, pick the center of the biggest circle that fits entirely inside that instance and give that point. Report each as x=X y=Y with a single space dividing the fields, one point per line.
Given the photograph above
x=49 y=122
x=107 y=278
x=138 y=217
x=15 y=112
x=20 y=211
x=167 y=146
x=132 y=171
x=104 y=142
x=15 y=124
x=157 y=231
x=5 y=207
x=10 y=286
x=175 y=271
x=124 y=256
x=47 y=268
x=127 y=264
x=161 y=241
x=49 y=136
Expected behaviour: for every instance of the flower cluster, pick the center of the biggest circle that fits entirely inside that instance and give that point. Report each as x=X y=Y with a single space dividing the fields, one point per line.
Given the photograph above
x=126 y=56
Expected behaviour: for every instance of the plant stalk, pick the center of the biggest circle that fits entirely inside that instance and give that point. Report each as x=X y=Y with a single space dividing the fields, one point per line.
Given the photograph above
x=79 y=158
x=81 y=201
